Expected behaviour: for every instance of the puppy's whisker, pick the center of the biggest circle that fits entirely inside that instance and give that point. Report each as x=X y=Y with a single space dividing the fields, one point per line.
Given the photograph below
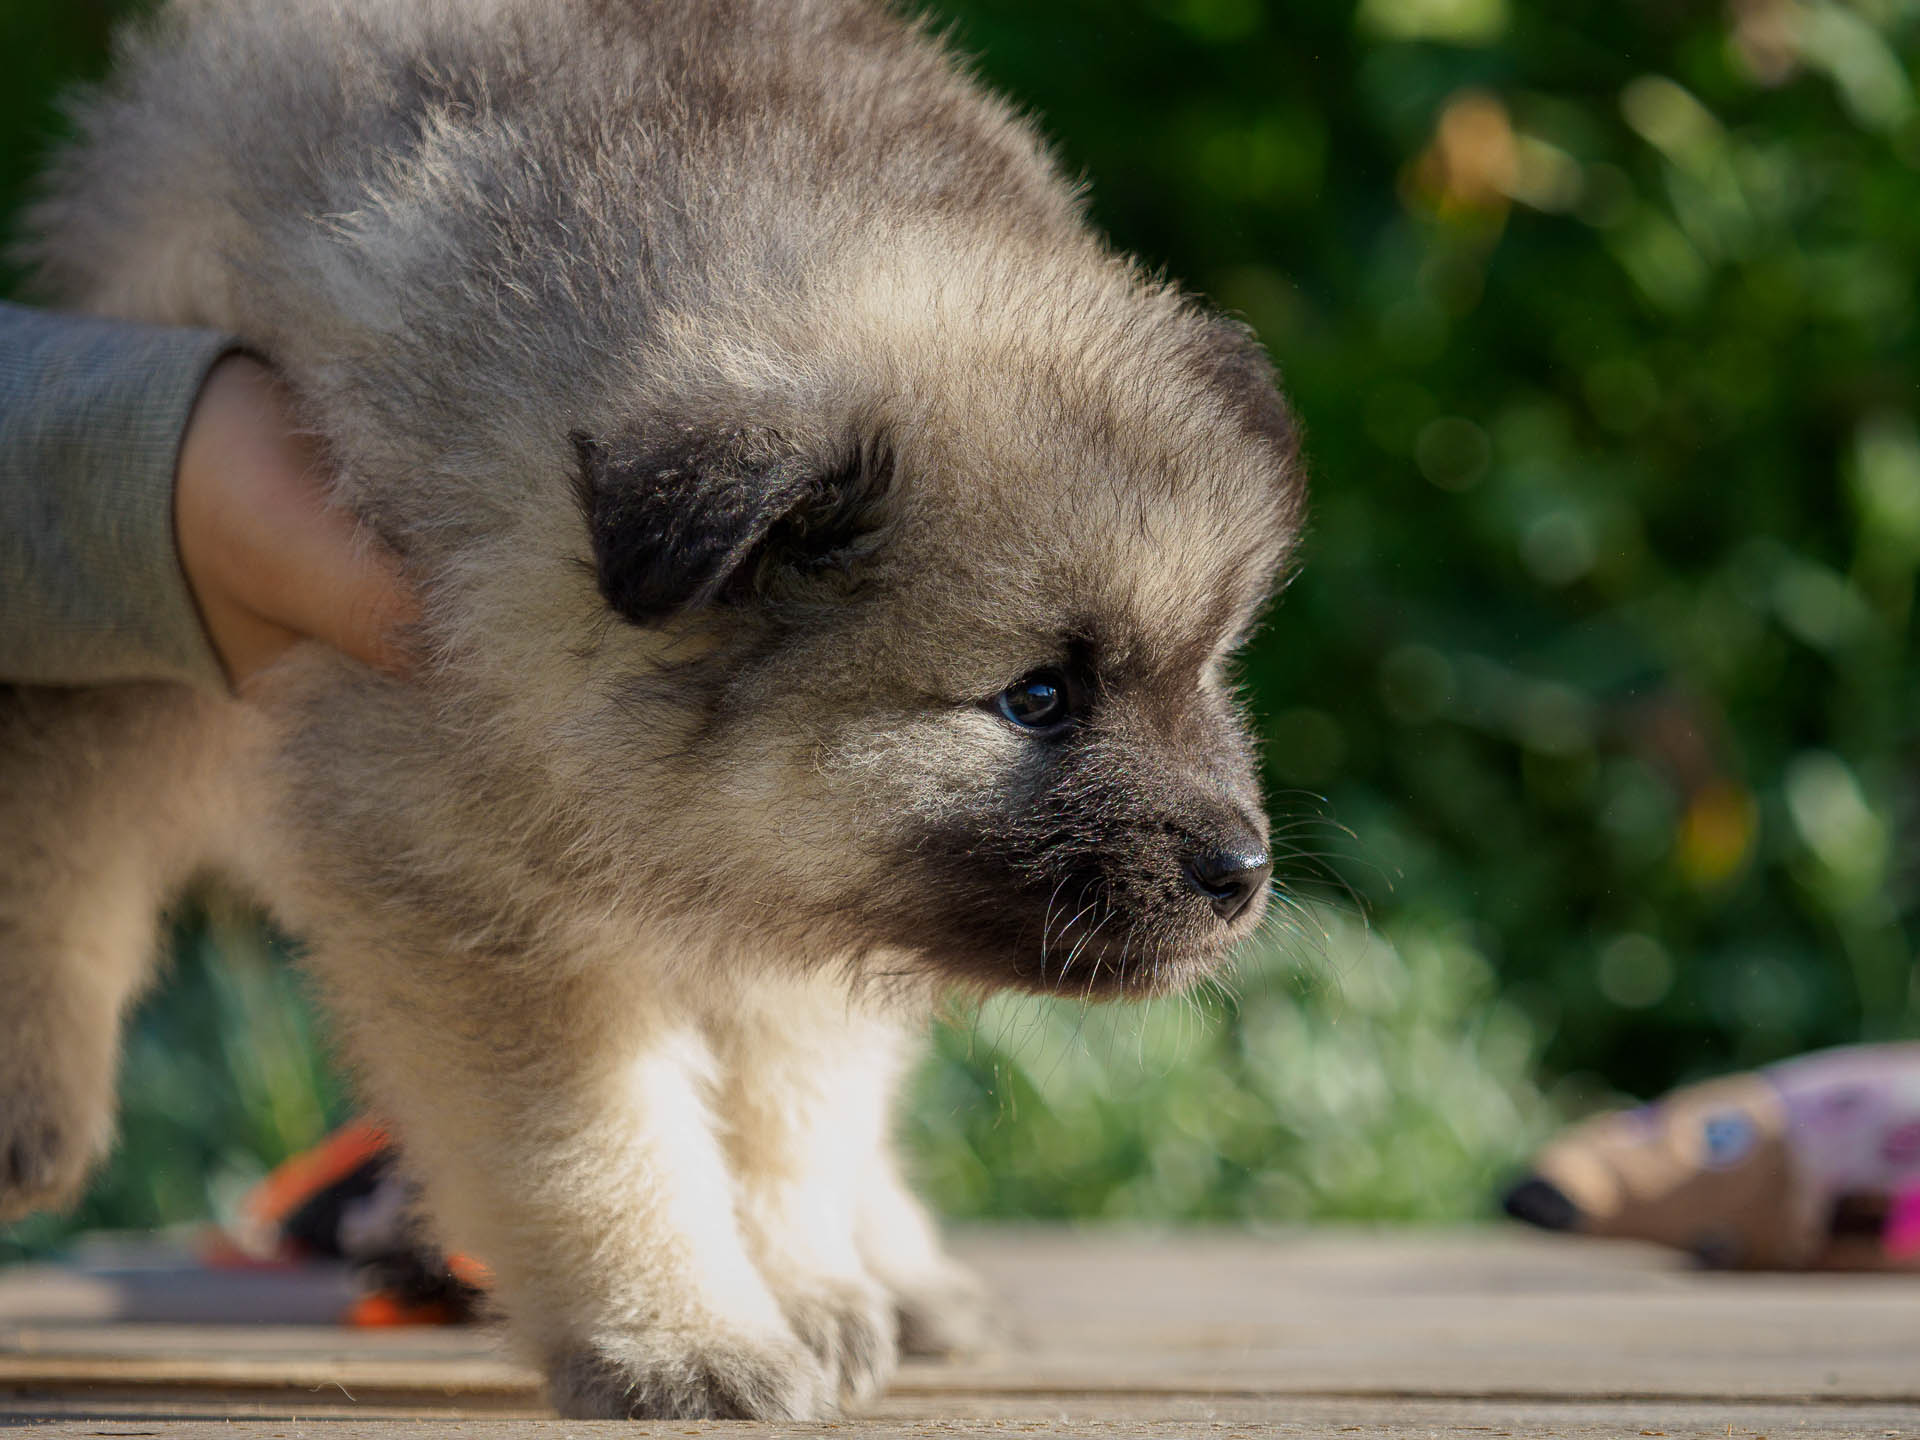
x=1046 y=924
x=1083 y=942
x=1080 y=944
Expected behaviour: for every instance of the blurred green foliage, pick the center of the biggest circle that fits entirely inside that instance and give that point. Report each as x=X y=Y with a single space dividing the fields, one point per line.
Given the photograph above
x=1599 y=318
x=1383 y=1079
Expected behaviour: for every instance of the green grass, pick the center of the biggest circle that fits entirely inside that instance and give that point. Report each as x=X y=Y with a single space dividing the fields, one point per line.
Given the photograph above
x=1353 y=1074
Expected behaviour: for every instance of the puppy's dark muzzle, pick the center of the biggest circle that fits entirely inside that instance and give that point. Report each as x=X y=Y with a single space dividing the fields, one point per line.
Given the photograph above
x=1229 y=877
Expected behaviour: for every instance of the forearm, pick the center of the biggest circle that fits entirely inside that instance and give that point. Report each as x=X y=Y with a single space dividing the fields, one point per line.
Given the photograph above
x=91 y=418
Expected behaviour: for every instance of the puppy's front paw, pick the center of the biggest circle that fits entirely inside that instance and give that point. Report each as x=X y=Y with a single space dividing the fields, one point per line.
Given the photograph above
x=44 y=1154
x=675 y=1375
x=946 y=1312
x=850 y=1324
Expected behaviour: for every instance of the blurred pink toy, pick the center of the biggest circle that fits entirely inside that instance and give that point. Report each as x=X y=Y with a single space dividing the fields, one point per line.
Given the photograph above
x=1810 y=1164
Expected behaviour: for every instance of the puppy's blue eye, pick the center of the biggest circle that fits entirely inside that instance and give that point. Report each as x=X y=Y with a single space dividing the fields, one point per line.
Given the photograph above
x=1036 y=702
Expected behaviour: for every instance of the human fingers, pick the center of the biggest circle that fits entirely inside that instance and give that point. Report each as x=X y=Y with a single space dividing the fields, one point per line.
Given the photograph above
x=269 y=558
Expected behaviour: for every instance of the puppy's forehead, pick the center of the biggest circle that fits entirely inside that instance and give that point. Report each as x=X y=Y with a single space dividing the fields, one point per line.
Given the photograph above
x=1150 y=515
x=1077 y=447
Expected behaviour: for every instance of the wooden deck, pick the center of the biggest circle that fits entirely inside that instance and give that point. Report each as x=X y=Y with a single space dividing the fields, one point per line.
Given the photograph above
x=1319 y=1333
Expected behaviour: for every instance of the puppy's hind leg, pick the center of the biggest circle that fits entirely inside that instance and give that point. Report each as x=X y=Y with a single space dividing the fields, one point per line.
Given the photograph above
x=101 y=807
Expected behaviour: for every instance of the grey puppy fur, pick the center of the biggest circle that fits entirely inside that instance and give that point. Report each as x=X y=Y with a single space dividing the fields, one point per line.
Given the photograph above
x=831 y=556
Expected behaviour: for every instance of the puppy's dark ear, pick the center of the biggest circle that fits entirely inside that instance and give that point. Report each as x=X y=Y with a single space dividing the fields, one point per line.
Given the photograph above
x=684 y=520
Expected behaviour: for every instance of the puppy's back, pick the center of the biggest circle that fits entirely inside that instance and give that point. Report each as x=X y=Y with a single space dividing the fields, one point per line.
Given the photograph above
x=675 y=143
x=457 y=223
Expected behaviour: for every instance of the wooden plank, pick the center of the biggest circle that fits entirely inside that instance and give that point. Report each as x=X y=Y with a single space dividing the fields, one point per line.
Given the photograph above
x=1314 y=1331
x=1306 y=1420
x=175 y=1292
x=1470 y=1314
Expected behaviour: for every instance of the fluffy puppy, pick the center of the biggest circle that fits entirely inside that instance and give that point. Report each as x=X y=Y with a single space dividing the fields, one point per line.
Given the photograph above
x=831 y=556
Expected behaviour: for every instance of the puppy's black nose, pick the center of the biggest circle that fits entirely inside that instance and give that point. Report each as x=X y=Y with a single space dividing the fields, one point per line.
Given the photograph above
x=1230 y=878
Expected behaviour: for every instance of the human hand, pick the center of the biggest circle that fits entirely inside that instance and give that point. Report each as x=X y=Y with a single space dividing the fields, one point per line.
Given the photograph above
x=268 y=560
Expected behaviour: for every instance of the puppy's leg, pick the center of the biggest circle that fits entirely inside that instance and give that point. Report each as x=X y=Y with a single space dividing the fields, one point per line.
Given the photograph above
x=104 y=800
x=940 y=1307
x=557 y=1115
x=943 y=1307
x=807 y=1081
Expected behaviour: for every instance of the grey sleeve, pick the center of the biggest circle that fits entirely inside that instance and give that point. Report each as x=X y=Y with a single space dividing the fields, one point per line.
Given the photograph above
x=91 y=416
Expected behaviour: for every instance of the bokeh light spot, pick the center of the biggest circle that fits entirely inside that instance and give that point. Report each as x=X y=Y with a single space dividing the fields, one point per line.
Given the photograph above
x=1634 y=971
x=1453 y=452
